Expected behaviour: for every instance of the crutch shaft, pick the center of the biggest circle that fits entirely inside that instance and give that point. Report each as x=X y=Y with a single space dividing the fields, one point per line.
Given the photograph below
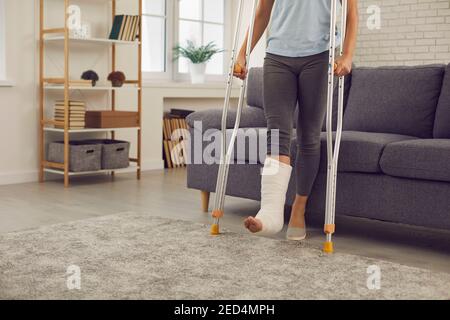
x=333 y=154
x=227 y=149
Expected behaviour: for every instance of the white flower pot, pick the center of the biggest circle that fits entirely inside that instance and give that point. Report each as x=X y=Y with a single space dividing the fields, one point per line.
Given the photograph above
x=197 y=71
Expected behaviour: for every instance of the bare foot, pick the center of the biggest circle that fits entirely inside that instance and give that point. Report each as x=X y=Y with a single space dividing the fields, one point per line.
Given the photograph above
x=253 y=225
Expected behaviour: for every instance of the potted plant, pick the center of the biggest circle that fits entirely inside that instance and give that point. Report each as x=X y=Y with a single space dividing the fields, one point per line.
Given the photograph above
x=198 y=58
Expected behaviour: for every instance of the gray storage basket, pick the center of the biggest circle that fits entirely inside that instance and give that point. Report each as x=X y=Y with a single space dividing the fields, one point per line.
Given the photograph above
x=83 y=156
x=115 y=153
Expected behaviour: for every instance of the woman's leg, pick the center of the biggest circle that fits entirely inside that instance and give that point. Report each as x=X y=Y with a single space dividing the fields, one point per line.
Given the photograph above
x=280 y=100
x=312 y=96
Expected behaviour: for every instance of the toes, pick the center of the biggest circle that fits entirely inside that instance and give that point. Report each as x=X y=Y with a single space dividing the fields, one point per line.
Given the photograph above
x=248 y=222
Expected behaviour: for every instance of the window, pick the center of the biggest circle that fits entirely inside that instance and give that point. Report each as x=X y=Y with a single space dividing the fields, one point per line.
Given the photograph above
x=154 y=24
x=2 y=42
x=202 y=22
x=167 y=23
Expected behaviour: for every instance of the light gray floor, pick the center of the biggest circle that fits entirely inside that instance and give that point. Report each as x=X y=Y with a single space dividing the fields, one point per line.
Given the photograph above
x=163 y=193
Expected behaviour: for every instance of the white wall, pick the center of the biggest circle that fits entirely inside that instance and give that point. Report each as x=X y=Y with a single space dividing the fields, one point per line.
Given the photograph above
x=18 y=108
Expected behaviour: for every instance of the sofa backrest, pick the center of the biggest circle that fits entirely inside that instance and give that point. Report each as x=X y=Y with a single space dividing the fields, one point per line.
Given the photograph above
x=400 y=100
x=255 y=88
x=442 y=120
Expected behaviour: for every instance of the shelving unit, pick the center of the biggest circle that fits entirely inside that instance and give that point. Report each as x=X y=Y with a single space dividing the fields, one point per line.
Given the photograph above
x=46 y=125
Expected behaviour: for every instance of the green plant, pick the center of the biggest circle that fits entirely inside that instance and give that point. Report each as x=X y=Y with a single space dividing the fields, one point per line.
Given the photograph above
x=199 y=54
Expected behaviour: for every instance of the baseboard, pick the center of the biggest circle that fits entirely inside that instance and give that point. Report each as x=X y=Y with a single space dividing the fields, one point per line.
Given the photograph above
x=18 y=177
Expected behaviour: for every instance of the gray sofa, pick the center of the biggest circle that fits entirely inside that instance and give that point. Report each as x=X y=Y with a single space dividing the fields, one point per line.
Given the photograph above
x=395 y=154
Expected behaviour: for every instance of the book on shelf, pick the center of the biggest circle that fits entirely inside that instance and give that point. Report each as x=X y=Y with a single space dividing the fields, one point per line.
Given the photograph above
x=174 y=145
x=71 y=103
x=76 y=114
x=125 y=28
x=117 y=24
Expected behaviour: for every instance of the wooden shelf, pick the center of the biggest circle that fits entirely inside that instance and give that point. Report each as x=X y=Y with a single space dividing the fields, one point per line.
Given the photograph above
x=96 y=88
x=89 y=130
x=92 y=40
x=62 y=36
x=132 y=168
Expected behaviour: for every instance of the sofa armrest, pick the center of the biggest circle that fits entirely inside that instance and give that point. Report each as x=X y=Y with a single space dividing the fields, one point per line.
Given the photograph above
x=212 y=119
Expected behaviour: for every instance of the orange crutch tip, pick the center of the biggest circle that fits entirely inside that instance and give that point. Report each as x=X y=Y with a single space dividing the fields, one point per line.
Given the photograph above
x=215 y=229
x=328 y=247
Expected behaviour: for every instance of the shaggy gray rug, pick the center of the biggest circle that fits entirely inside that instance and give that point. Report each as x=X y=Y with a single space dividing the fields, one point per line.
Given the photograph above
x=130 y=256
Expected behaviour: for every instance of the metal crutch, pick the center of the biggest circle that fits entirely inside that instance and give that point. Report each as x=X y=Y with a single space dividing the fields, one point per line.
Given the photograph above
x=333 y=157
x=227 y=151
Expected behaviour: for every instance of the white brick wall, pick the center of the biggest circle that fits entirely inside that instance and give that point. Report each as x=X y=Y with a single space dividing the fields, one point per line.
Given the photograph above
x=413 y=32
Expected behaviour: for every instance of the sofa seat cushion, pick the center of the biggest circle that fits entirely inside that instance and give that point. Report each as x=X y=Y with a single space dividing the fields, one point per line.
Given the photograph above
x=360 y=151
x=427 y=159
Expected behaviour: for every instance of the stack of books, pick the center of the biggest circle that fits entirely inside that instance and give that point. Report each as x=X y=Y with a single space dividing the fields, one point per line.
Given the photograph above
x=77 y=113
x=80 y=83
x=125 y=28
x=175 y=143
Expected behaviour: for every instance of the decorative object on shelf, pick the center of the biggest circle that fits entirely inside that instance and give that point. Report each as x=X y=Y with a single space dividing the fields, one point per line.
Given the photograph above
x=198 y=58
x=112 y=119
x=77 y=112
x=90 y=75
x=125 y=28
x=117 y=78
x=82 y=32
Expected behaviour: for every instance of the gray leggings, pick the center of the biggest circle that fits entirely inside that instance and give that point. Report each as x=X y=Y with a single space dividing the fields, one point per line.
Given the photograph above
x=288 y=81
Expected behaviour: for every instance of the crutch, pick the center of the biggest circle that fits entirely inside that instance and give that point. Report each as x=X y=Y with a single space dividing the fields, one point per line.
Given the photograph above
x=227 y=150
x=333 y=156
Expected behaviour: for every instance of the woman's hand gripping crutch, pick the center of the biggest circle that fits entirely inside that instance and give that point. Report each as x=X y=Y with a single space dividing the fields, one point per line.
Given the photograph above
x=228 y=147
x=333 y=155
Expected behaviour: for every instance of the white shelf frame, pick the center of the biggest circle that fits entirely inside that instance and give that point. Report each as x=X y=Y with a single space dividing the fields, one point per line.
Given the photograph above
x=90 y=130
x=97 y=88
x=131 y=169
x=92 y=40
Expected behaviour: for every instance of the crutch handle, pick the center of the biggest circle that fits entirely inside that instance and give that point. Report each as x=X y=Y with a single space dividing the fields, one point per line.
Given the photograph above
x=238 y=68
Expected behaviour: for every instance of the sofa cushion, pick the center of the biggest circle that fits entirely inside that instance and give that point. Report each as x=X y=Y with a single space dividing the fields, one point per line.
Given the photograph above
x=427 y=159
x=442 y=120
x=359 y=151
x=400 y=100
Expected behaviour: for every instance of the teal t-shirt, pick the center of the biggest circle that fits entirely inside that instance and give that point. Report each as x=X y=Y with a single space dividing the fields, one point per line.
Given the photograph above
x=300 y=28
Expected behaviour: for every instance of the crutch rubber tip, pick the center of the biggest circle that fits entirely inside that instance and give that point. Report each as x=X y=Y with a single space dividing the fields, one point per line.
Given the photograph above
x=328 y=247
x=214 y=229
